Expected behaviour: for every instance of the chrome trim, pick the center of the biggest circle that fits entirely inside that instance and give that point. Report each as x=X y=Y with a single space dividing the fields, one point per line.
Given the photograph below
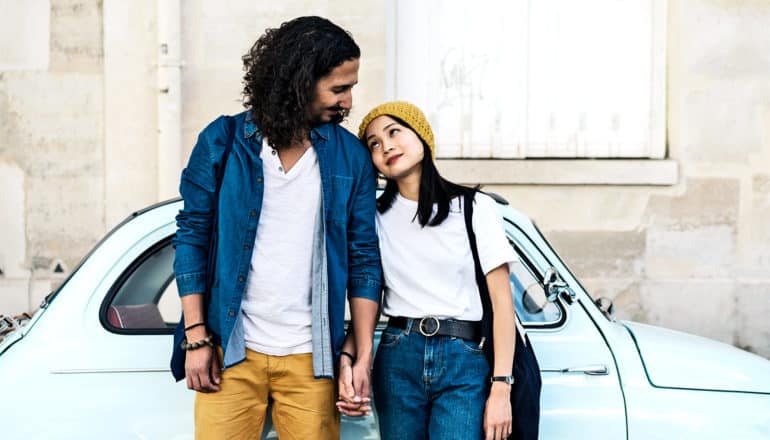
x=111 y=370
x=591 y=370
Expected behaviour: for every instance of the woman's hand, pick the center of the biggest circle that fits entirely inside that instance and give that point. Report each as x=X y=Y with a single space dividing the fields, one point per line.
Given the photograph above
x=498 y=420
x=350 y=402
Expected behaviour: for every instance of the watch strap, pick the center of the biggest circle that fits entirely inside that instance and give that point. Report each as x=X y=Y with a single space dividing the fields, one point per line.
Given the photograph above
x=507 y=379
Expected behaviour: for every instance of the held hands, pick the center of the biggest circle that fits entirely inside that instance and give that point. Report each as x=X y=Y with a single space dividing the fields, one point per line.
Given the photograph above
x=202 y=365
x=498 y=419
x=353 y=385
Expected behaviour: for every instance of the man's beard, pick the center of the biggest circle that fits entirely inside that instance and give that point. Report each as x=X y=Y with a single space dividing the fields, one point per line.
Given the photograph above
x=339 y=115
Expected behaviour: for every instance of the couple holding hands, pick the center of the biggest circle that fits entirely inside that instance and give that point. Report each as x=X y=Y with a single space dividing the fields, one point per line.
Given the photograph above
x=281 y=222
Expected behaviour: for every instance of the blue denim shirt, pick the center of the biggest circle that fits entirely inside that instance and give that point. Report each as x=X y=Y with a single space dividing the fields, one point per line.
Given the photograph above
x=346 y=251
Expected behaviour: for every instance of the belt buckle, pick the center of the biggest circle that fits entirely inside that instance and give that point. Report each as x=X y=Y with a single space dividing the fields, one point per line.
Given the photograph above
x=422 y=327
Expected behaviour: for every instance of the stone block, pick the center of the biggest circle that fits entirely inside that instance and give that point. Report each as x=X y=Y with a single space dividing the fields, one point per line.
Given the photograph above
x=706 y=201
x=19 y=295
x=756 y=244
x=24 y=34
x=65 y=216
x=202 y=104
x=704 y=308
x=752 y=312
x=601 y=254
x=693 y=234
x=13 y=296
x=54 y=133
x=130 y=107
x=55 y=122
x=12 y=220
x=724 y=38
x=706 y=252
x=76 y=36
x=728 y=133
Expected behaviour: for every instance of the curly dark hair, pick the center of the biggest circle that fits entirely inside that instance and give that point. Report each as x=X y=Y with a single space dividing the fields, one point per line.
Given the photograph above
x=282 y=69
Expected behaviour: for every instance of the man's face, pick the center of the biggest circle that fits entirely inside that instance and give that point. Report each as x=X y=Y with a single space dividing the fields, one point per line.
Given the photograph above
x=334 y=94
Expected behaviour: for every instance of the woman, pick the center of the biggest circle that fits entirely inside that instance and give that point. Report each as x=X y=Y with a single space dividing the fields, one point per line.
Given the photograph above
x=431 y=378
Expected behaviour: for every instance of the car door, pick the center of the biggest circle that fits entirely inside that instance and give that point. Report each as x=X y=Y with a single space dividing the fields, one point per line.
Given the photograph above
x=122 y=364
x=581 y=395
x=96 y=362
x=137 y=314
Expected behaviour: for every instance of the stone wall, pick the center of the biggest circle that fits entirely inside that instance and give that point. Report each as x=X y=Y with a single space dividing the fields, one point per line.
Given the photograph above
x=52 y=139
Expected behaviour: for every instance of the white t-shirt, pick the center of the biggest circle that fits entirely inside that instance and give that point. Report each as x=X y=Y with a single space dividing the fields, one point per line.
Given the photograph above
x=276 y=305
x=429 y=271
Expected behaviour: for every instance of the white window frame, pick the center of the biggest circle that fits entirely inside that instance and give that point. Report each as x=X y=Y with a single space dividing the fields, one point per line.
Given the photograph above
x=526 y=145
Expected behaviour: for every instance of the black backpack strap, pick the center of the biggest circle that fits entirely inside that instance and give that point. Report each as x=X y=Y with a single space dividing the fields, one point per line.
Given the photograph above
x=481 y=280
x=525 y=393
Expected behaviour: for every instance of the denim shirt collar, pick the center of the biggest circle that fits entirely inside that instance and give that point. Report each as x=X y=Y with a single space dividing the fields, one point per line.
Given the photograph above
x=316 y=133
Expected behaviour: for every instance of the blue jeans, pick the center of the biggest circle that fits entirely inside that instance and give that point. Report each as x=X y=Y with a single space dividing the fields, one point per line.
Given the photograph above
x=429 y=387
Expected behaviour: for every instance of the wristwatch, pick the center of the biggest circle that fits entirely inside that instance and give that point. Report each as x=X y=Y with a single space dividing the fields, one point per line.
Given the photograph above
x=507 y=379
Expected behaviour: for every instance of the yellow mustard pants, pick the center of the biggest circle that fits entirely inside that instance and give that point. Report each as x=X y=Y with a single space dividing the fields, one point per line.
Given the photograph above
x=303 y=406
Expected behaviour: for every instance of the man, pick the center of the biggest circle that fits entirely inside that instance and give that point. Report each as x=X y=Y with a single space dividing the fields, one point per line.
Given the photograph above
x=295 y=232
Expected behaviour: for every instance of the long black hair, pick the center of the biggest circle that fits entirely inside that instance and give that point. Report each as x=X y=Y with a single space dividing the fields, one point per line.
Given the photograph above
x=434 y=189
x=282 y=69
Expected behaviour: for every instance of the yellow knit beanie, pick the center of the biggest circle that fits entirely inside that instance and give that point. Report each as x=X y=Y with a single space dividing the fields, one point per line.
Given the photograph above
x=408 y=113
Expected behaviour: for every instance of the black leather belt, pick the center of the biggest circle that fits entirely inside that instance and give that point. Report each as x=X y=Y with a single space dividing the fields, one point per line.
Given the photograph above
x=432 y=326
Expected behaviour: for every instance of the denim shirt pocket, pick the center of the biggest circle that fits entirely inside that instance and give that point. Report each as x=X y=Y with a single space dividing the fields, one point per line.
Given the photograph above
x=341 y=188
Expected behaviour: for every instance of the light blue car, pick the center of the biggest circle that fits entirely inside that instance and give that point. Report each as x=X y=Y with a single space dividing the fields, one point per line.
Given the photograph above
x=93 y=361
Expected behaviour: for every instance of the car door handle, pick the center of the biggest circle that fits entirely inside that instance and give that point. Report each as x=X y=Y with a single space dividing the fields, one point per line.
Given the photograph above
x=591 y=370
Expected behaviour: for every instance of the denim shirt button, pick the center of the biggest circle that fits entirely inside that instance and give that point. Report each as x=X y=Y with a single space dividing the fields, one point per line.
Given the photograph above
x=246 y=247
x=241 y=279
x=231 y=313
x=259 y=180
x=253 y=213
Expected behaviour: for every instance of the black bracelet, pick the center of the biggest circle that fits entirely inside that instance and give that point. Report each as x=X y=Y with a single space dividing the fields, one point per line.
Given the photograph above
x=197 y=324
x=345 y=353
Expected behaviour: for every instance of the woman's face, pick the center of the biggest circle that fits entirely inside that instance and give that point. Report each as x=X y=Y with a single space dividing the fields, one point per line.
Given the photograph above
x=396 y=150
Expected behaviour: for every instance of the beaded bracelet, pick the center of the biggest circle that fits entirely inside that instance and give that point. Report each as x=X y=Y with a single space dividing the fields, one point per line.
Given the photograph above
x=197 y=344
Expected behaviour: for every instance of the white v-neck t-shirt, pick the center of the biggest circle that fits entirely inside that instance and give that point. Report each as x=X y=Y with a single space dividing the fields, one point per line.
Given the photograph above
x=429 y=271
x=276 y=307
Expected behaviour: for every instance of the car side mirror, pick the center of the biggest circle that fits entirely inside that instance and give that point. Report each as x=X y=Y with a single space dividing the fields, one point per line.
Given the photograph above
x=554 y=286
x=607 y=308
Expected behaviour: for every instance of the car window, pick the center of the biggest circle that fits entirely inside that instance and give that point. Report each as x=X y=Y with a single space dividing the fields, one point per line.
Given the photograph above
x=529 y=297
x=145 y=296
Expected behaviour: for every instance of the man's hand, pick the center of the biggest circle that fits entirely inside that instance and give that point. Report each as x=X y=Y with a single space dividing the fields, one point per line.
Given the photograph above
x=201 y=367
x=354 y=376
x=498 y=421
x=353 y=385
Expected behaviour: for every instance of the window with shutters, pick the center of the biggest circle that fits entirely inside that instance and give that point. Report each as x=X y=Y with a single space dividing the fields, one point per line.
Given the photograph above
x=533 y=79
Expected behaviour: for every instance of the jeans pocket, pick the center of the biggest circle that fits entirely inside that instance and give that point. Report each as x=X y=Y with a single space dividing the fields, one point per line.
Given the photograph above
x=390 y=337
x=471 y=347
